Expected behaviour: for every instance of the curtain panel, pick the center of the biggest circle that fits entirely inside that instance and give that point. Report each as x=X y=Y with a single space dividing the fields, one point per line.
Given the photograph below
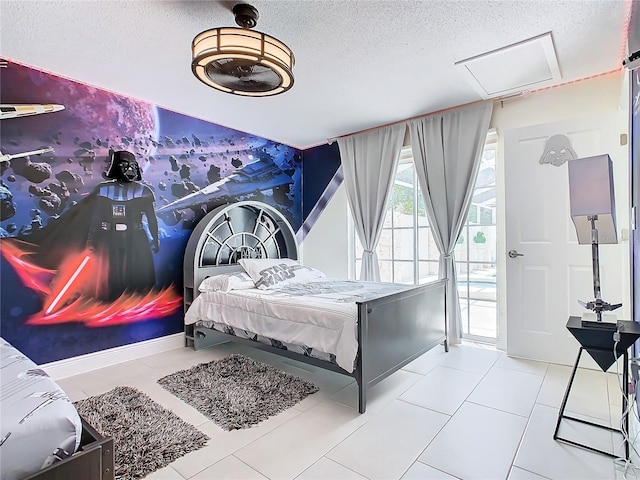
x=446 y=151
x=369 y=162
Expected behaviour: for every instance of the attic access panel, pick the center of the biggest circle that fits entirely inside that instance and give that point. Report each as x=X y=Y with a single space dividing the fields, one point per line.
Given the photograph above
x=519 y=67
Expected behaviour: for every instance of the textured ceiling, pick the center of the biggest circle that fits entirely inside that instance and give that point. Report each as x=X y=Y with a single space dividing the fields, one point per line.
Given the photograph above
x=359 y=64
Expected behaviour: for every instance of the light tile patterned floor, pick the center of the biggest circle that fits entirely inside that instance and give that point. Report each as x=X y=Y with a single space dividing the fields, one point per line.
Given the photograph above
x=472 y=413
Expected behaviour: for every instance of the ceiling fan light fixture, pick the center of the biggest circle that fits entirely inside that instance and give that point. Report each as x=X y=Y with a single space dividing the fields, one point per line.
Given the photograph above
x=242 y=61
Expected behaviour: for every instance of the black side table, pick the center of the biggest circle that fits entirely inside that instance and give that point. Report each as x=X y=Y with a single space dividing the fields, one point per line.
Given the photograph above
x=599 y=343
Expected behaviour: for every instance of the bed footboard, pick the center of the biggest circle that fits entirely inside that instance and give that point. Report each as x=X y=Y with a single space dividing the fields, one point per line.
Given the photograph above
x=93 y=461
x=395 y=330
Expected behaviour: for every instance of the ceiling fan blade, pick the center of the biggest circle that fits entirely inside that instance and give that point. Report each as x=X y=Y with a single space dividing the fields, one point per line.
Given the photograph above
x=244 y=75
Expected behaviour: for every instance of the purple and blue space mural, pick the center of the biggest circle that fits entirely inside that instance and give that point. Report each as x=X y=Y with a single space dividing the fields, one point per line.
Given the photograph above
x=46 y=200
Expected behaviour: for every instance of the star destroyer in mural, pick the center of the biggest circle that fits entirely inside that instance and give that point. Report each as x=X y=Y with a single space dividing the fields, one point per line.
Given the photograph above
x=15 y=111
x=262 y=174
x=7 y=157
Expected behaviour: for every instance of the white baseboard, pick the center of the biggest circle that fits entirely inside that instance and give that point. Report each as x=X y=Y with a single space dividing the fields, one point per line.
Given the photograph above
x=104 y=358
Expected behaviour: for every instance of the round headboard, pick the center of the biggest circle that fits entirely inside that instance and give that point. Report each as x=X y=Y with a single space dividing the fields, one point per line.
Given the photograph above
x=231 y=232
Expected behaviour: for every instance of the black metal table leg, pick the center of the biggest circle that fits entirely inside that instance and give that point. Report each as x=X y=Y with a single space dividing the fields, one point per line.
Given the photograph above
x=625 y=404
x=566 y=394
x=625 y=415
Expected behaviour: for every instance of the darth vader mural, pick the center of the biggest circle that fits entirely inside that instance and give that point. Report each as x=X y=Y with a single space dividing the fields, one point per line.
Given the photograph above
x=116 y=231
x=98 y=196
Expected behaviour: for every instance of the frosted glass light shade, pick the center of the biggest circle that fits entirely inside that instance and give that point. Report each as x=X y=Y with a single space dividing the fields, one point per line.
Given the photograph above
x=242 y=62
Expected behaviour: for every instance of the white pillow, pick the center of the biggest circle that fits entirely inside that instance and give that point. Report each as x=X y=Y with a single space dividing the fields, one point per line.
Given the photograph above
x=227 y=282
x=269 y=273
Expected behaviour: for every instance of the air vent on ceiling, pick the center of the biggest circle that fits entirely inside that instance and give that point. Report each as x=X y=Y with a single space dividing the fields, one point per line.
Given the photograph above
x=516 y=68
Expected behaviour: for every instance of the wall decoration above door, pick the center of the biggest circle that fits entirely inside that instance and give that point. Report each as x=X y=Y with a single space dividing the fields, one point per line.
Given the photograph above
x=557 y=151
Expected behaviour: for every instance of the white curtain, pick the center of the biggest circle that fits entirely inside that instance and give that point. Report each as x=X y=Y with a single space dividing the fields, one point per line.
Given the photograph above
x=369 y=162
x=446 y=151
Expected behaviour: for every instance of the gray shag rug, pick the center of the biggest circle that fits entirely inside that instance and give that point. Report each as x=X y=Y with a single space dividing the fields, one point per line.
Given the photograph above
x=237 y=392
x=146 y=436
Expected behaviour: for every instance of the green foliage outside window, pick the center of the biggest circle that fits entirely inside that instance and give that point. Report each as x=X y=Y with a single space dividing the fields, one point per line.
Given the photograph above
x=480 y=238
x=486 y=216
x=402 y=201
x=472 y=217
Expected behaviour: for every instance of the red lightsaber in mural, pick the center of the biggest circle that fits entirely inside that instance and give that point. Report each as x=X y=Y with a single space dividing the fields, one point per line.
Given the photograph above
x=66 y=285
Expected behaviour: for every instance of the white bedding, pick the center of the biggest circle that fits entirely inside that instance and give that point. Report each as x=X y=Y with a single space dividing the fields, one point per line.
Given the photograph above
x=321 y=314
x=38 y=423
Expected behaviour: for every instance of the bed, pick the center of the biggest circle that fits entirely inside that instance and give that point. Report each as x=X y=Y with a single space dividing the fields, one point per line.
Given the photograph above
x=41 y=434
x=366 y=330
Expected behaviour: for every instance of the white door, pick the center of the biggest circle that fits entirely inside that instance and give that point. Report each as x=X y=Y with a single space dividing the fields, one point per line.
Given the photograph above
x=553 y=272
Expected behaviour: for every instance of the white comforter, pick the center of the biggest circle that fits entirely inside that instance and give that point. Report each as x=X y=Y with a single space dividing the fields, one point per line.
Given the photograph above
x=321 y=314
x=38 y=422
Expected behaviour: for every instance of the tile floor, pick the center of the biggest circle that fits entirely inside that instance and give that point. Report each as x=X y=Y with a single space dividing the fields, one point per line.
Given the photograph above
x=472 y=413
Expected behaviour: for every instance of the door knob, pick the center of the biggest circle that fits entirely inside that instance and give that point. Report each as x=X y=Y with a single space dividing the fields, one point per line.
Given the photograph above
x=515 y=253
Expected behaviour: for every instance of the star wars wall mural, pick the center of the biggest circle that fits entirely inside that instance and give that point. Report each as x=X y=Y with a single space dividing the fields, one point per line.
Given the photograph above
x=98 y=195
x=322 y=175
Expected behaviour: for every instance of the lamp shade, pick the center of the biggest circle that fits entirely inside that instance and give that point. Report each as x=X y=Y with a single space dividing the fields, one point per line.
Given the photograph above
x=591 y=195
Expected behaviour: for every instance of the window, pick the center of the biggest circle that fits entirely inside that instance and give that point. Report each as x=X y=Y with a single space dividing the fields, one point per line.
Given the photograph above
x=408 y=254
x=475 y=255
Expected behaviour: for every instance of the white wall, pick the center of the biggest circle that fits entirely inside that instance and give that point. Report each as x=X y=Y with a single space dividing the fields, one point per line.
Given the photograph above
x=327 y=244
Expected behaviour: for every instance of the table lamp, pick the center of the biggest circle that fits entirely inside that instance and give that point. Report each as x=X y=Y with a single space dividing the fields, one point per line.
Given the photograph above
x=593 y=214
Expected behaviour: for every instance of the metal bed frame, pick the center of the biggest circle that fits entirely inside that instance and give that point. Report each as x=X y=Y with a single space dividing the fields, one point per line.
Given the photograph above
x=94 y=460
x=393 y=330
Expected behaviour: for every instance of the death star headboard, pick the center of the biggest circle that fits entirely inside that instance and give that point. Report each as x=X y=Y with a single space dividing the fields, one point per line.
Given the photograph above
x=231 y=232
